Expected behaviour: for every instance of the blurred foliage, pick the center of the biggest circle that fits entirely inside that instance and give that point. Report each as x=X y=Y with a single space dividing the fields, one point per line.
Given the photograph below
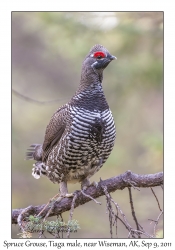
x=47 y=51
x=37 y=225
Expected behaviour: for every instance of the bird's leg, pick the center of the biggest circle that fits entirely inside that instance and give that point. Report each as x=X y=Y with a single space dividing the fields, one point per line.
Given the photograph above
x=64 y=190
x=86 y=183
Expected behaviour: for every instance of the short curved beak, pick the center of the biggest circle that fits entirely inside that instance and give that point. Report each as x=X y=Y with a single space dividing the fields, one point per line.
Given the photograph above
x=113 y=58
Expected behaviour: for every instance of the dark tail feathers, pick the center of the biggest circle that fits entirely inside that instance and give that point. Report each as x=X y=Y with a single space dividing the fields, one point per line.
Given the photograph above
x=34 y=152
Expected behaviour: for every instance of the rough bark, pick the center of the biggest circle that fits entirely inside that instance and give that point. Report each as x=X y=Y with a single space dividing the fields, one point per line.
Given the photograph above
x=128 y=179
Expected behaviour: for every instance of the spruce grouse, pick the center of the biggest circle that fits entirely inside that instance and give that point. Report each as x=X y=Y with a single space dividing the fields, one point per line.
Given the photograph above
x=80 y=135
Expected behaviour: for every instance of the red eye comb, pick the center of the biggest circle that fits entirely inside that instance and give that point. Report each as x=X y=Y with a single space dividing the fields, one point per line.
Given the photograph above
x=99 y=53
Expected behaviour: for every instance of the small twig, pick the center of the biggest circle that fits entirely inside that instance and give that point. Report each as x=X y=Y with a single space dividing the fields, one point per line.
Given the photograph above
x=49 y=211
x=156 y=222
x=52 y=234
x=41 y=235
x=125 y=222
x=122 y=222
x=141 y=227
x=152 y=221
x=135 y=187
x=72 y=206
x=26 y=98
x=156 y=199
x=52 y=204
x=123 y=215
x=116 y=220
x=109 y=207
x=132 y=210
x=143 y=232
x=60 y=215
x=128 y=226
x=71 y=212
x=43 y=208
x=87 y=195
x=21 y=215
x=129 y=234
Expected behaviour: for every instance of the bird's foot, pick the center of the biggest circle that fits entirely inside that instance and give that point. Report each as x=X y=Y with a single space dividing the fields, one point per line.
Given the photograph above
x=94 y=183
x=68 y=195
x=62 y=196
x=88 y=184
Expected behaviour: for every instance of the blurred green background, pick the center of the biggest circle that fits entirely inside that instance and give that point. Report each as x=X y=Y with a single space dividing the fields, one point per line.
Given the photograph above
x=47 y=52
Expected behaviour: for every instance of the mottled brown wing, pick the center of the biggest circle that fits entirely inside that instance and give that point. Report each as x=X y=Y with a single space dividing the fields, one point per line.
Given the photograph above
x=54 y=130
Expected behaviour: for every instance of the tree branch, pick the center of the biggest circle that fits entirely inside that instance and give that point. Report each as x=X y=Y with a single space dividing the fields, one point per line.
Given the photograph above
x=128 y=179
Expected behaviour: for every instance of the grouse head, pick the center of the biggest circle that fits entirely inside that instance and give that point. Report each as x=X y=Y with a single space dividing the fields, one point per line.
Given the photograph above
x=96 y=61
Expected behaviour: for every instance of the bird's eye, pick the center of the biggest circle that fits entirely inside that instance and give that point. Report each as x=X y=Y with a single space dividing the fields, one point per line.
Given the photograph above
x=99 y=54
